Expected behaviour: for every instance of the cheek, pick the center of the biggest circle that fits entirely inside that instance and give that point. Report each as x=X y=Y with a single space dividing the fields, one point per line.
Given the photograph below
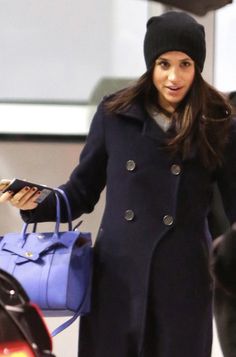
x=190 y=78
x=157 y=79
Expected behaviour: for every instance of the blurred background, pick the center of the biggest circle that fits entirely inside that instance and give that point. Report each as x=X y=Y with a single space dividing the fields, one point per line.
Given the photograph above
x=58 y=59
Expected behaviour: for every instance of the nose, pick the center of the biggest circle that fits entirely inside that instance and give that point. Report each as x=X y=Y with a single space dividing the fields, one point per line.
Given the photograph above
x=173 y=74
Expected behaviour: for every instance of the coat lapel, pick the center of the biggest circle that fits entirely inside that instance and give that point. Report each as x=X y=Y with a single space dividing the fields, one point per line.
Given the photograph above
x=154 y=131
x=150 y=127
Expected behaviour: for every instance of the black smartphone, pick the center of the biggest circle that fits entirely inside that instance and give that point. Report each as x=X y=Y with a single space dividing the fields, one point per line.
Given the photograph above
x=16 y=185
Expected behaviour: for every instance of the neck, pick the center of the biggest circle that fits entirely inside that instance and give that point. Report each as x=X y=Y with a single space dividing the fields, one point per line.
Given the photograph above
x=165 y=112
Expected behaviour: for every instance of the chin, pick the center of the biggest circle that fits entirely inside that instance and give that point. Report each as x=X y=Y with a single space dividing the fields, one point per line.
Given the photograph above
x=174 y=103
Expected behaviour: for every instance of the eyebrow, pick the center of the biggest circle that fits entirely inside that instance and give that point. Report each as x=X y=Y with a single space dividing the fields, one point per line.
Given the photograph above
x=182 y=59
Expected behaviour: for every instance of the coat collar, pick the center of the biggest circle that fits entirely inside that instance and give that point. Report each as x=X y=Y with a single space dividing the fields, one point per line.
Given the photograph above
x=150 y=127
x=136 y=111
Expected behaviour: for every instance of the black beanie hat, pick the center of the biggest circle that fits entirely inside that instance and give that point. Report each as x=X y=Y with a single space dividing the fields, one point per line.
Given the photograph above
x=174 y=31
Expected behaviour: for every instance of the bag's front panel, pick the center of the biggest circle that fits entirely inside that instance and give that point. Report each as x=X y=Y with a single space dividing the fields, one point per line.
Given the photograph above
x=22 y=259
x=53 y=270
x=57 y=279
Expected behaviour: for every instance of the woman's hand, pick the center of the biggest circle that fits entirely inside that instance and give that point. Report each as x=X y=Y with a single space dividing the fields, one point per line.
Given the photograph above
x=25 y=199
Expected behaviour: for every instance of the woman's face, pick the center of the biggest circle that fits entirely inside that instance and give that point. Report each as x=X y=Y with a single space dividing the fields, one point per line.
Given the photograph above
x=173 y=76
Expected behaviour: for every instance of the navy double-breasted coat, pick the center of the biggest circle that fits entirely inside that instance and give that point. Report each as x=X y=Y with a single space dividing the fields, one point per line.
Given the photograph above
x=151 y=252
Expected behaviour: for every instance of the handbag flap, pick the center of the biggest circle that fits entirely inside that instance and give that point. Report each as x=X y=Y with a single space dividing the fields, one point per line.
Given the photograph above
x=21 y=252
x=37 y=244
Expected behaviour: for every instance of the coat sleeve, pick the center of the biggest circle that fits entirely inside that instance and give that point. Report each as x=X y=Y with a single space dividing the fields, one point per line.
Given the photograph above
x=86 y=181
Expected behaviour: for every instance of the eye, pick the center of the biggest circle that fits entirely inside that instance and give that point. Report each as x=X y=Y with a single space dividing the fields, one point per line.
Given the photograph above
x=186 y=64
x=163 y=64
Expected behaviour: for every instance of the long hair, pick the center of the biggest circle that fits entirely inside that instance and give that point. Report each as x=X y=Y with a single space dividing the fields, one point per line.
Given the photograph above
x=200 y=122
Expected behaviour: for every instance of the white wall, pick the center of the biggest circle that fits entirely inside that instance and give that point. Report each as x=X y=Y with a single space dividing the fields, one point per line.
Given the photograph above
x=53 y=49
x=59 y=49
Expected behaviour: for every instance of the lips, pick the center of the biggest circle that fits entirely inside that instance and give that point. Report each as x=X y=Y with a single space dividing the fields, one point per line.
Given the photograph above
x=174 y=88
x=174 y=91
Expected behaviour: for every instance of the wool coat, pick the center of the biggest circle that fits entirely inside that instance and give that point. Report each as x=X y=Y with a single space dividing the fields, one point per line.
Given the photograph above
x=151 y=291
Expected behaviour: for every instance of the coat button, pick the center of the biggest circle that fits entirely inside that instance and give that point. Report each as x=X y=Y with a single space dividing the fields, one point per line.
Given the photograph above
x=129 y=215
x=175 y=169
x=130 y=165
x=168 y=220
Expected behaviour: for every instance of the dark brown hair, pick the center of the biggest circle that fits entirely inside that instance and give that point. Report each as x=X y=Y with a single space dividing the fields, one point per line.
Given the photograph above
x=200 y=122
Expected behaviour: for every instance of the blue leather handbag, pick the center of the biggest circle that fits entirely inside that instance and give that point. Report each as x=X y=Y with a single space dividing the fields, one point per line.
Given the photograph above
x=54 y=268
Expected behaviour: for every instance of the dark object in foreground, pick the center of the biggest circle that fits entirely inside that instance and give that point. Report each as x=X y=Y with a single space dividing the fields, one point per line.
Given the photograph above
x=22 y=328
x=223 y=267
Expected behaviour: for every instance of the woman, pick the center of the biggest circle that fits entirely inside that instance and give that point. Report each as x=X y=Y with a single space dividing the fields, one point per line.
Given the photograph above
x=157 y=146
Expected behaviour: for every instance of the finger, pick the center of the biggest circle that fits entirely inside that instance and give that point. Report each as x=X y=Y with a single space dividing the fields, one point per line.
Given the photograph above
x=17 y=197
x=30 y=202
x=28 y=206
x=25 y=198
x=5 y=181
x=3 y=184
x=28 y=196
x=6 y=196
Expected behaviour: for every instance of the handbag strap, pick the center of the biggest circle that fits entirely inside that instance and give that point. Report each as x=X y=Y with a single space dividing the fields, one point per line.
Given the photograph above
x=58 y=209
x=57 y=192
x=67 y=323
x=77 y=313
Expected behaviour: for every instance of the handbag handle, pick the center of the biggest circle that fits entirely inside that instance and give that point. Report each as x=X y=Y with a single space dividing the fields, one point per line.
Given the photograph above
x=58 y=209
x=57 y=192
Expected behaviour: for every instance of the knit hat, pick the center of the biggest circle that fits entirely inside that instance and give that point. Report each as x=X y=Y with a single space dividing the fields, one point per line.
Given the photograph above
x=174 y=31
